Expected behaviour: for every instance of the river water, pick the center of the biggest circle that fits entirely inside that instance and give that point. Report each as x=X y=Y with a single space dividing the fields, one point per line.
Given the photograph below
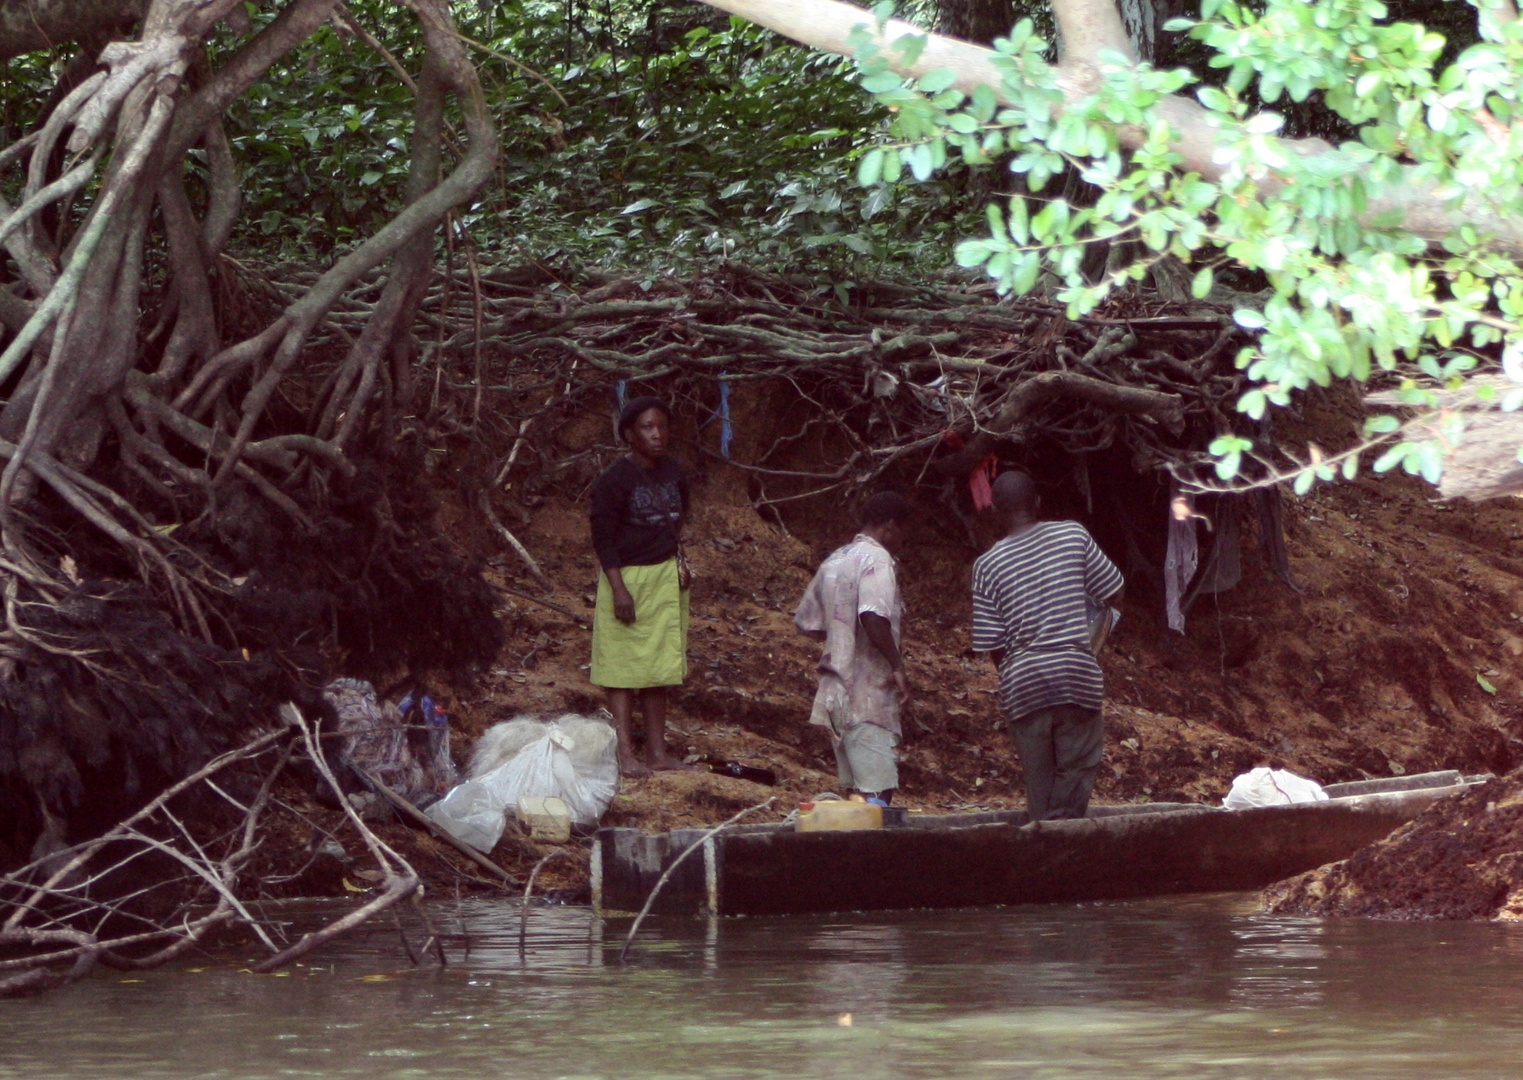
x=1196 y=987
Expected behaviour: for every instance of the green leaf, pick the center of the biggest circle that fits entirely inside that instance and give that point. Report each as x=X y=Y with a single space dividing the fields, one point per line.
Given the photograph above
x=1026 y=273
x=870 y=168
x=1391 y=458
x=918 y=158
x=934 y=82
x=970 y=253
x=910 y=47
x=1020 y=226
x=984 y=103
x=1214 y=99
x=881 y=82
x=1200 y=286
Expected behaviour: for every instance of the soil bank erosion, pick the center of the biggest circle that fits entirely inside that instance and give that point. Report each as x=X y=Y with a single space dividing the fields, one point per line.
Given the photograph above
x=1366 y=630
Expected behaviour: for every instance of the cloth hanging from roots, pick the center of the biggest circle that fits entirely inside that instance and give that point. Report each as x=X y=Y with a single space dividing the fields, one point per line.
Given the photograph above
x=981 y=482
x=1223 y=566
x=1181 y=558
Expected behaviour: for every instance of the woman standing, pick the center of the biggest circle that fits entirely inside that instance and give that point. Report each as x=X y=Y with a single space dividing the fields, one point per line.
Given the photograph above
x=639 y=627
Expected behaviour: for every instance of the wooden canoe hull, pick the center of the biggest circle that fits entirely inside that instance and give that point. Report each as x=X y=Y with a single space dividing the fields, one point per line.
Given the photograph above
x=773 y=870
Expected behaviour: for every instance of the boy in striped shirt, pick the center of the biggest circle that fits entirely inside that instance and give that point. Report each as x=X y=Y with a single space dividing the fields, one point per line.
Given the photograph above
x=1033 y=593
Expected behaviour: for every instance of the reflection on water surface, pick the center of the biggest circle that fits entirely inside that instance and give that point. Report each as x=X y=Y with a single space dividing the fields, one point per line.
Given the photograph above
x=1175 y=987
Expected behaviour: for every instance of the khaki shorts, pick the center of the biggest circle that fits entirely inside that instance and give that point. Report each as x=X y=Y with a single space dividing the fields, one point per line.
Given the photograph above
x=865 y=758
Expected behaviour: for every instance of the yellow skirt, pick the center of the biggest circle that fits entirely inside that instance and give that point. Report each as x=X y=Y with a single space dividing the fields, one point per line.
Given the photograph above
x=651 y=651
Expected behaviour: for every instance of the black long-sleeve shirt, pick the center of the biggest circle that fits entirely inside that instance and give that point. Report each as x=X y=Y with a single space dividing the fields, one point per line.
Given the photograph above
x=637 y=512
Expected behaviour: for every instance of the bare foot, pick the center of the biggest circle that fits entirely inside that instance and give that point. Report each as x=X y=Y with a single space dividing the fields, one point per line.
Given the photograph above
x=632 y=767
x=671 y=764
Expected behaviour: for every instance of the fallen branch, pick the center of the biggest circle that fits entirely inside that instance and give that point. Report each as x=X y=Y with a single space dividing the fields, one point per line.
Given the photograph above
x=401 y=880
x=551 y=605
x=523 y=907
x=512 y=541
x=435 y=829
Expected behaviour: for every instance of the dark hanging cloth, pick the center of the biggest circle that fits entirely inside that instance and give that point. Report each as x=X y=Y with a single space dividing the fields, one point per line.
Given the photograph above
x=1223 y=565
x=1272 y=535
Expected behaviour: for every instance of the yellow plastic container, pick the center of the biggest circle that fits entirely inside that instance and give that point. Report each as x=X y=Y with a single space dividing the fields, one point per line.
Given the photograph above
x=546 y=818
x=828 y=816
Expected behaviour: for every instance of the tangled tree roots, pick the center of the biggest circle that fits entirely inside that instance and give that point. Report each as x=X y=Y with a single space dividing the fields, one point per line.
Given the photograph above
x=939 y=378
x=154 y=886
x=97 y=405
x=166 y=512
x=106 y=699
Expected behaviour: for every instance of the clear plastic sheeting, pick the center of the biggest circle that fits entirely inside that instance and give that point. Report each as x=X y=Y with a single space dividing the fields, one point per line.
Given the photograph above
x=572 y=758
x=1264 y=786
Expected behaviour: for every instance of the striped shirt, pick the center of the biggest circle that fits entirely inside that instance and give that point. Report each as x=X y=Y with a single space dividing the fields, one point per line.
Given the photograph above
x=1032 y=595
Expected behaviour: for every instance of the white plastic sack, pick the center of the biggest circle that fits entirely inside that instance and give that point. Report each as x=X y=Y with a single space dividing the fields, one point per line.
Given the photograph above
x=1264 y=786
x=572 y=758
x=471 y=814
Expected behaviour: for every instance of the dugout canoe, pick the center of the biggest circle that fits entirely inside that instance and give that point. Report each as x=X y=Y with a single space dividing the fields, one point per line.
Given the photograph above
x=970 y=860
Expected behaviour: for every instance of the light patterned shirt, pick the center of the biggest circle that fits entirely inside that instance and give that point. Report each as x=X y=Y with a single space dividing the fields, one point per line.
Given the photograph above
x=1032 y=595
x=856 y=684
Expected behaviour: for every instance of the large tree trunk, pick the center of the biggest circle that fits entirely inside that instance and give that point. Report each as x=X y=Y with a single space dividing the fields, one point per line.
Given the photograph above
x=27 y=25
x=980 y=21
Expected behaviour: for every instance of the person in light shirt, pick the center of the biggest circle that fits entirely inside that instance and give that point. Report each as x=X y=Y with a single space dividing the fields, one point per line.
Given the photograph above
x=853 y=605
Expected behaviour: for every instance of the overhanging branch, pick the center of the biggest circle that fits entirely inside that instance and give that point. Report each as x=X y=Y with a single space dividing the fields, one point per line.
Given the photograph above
x=1088 y=29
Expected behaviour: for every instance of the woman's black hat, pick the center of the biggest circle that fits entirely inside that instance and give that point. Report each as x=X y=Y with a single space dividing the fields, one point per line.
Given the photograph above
x=634 y=407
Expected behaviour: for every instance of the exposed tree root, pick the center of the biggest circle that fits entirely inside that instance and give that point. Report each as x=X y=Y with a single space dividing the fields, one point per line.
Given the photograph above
x=143 y=468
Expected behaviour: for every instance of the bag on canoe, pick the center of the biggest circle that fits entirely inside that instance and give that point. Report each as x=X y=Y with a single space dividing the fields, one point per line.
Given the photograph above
x=1264 y=786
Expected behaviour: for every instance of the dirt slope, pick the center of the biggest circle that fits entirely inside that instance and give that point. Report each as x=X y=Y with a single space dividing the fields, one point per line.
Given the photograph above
x=1405 y=610
x=1461 y=859
x=1398 y=648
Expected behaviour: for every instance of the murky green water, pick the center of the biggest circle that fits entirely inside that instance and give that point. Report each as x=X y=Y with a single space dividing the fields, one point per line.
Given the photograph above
x=1181 y=987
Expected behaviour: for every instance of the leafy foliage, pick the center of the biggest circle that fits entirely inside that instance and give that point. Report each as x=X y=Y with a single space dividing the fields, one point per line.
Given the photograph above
x=1352 y=292
x=649 y=133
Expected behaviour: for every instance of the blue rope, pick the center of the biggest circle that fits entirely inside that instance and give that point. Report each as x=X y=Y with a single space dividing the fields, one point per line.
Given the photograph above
x=725 y=430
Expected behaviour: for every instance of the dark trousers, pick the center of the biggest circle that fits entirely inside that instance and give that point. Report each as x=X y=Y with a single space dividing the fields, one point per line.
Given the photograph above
x=1060 y=751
